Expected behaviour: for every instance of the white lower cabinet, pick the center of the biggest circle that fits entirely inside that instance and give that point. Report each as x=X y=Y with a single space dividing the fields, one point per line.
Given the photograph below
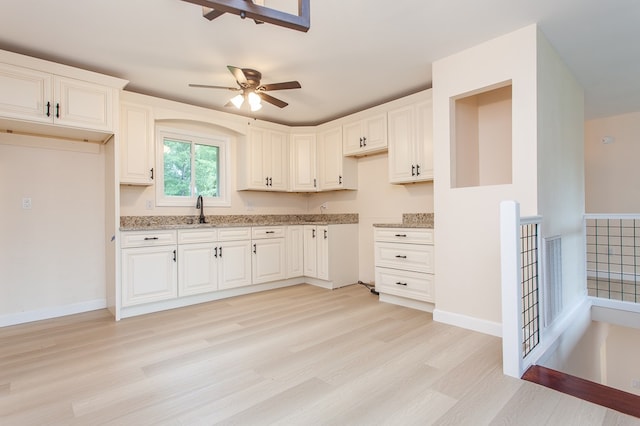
x=331 y=253
x=158 y=266
x=149 y=267
x=197 y=268
x=234 y=261
x=295 y=255
x=269 y=255
x=404 y=263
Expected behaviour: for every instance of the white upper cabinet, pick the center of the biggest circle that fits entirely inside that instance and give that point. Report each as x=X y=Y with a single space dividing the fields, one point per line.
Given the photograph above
x=334 y=170
x=263 y=161
x=365 y=136
x=303 y=163
x=37 y=96
x=411 y=143
x=33 y=91
x=24 y=94
x=82 y=104
x=136 y=144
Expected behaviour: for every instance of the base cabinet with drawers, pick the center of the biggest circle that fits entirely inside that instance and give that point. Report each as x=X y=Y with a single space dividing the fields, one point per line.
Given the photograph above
x=169 y=268
x=404 y=264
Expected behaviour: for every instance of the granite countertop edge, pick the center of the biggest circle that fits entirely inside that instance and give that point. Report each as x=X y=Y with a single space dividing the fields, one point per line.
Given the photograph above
x=154 y=223
x=404 y=225
x=411 y=220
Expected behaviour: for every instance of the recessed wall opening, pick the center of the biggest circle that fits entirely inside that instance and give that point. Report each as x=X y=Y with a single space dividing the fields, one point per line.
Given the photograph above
x=481 y=141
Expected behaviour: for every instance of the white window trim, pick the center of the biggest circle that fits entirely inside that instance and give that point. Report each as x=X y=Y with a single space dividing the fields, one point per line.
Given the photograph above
x=224 y=163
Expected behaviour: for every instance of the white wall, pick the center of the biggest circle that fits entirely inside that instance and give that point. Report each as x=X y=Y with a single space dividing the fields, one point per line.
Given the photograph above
x=467 y=255
x=561 y=166
x=611 y=170
x=53 y=255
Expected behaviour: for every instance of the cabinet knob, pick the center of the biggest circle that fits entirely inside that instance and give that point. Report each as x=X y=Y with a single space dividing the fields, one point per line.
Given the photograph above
x=401 y=235
x=57 y=110
x=340 y=180
x=364 y=141
x=361 y=142
x=266 y=183
x=220 y=252
x=174 y=255
x=417 y=169
x=413 y=170
x=400 y=283
x=313 y=233
x=325 y=234
x=215 y=252
x=48 y=109
x=255 y=249
x=150 y=238
x=399 y=256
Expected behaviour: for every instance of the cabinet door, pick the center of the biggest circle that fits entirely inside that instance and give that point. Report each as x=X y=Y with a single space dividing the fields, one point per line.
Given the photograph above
x=268 y=261
x=82 y=104
x=197 y=268
x=303 y=163
x=375 y=133
x=330 y=159
x=402 y=142
x=295 y=254
x=352 y=135
x=24 y=94
x=136 y=144
x=322 y=258
x=257 y=162
x=149 y=274
x=234 y=261
x=277 y=157
x=424 y=140
x=310 y=251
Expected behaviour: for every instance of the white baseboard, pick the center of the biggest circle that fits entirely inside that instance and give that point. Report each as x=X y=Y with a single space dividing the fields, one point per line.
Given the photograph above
x=470 y=323
x=52 y=312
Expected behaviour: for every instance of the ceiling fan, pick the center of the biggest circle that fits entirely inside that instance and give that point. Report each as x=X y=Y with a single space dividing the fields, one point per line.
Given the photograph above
x=251 y=90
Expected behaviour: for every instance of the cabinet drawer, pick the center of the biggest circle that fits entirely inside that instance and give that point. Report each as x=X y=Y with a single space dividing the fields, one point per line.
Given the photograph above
x=147 y=238
x=187 y=236
x=411 y=257
x=258 y=233
x=234 y=234
x=414 y=285
x=404 y=235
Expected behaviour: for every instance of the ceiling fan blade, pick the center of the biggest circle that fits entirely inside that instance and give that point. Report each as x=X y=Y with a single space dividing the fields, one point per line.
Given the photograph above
x=238 y=74
x=281 y=86
x=272 y=100
x=207 y=86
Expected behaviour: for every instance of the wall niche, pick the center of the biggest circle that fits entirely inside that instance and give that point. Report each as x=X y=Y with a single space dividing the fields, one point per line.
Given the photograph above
x=481 y=135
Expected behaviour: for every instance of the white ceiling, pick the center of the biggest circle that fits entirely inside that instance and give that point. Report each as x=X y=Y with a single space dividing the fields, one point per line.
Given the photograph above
x=358 y=53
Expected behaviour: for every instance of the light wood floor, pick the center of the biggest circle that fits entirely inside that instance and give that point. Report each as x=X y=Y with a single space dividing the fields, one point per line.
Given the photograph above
x=295 y=356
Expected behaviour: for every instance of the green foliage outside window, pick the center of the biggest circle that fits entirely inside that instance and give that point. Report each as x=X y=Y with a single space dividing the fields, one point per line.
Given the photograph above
x=178 y=170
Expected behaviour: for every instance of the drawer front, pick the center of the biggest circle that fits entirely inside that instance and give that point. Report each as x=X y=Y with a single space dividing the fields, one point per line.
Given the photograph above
x=262 y=232
x=404 y=235
x=234 y=234
x=410 y=257
x=147 y=238
x=186 y=236
x=414 y=285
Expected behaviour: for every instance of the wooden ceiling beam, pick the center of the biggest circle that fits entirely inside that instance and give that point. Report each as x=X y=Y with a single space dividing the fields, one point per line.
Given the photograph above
x=248 y=9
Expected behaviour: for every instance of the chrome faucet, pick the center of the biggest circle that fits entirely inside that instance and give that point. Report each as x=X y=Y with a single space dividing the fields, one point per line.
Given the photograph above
x=200 y=205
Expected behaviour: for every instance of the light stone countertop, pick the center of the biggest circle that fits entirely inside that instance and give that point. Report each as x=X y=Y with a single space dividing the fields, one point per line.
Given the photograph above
x=144 y=223
x=411 y=220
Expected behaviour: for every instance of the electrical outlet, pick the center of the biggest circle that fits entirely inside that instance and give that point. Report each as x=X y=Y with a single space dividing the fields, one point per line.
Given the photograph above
x=324 y=206
x=149 y=204
x=26 y=203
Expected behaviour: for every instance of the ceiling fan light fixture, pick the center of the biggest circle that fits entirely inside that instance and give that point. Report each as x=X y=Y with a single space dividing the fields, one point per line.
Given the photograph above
x=237 y=101
x=254 y=101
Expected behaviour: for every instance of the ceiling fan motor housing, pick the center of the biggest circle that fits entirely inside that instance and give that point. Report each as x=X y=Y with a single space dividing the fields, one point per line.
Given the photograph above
x=253 y=77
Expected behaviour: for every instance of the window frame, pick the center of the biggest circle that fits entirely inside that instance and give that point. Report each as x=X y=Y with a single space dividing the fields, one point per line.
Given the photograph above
x=220 y=141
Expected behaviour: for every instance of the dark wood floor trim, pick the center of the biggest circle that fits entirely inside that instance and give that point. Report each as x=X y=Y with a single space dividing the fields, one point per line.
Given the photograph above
x=615 y=399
